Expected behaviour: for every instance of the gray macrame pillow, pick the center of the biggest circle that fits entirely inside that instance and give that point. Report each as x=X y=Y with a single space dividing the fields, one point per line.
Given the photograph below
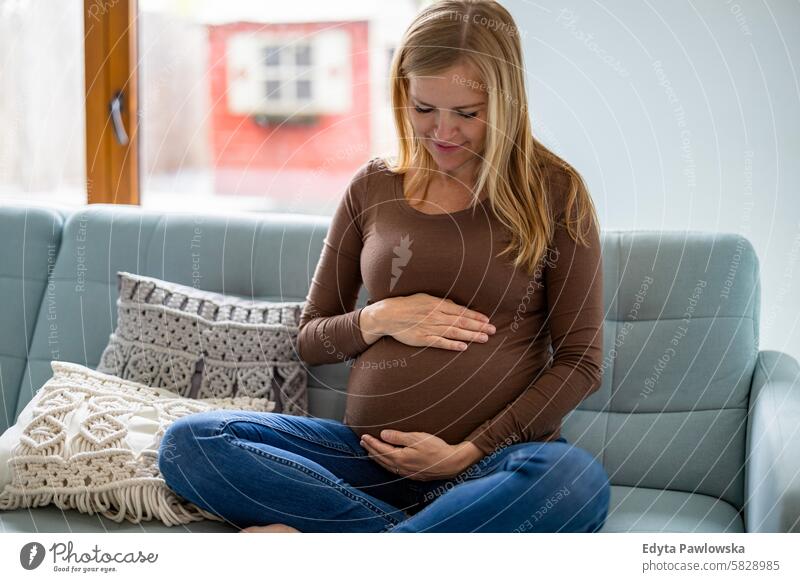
x=201 y=344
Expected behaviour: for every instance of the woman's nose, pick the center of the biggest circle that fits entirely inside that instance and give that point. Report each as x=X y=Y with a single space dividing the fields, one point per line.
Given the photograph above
x=445 y=130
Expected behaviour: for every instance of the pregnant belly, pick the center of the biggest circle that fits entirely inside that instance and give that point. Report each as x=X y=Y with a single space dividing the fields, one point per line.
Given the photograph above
x=442 y=392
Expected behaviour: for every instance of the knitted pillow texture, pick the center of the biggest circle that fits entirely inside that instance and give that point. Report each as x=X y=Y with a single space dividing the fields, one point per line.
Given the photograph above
x=89 y=441
x=201 y=344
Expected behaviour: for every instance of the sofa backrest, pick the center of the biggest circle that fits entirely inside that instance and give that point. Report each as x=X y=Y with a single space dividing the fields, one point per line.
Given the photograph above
x=29 y=243
x=269 y=257
x=680 y=343
x=680 y=338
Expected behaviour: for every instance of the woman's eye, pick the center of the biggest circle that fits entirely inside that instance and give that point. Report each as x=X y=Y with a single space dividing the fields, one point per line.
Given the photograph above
x=472 y=115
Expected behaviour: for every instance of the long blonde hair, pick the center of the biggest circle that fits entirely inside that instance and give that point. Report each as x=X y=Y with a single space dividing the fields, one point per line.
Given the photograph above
x=517 y=171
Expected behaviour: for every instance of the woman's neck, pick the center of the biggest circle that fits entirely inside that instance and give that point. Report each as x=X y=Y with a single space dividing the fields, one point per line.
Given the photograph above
x=461 y=179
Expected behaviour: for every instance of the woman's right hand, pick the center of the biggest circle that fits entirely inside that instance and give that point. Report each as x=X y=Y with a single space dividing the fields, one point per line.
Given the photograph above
x=425 y=320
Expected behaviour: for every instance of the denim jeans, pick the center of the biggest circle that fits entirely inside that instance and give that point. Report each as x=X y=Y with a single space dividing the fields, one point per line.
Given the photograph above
x=259 y=468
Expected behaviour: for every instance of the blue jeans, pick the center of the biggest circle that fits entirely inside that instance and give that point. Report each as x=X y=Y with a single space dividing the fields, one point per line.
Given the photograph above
x=259 y=468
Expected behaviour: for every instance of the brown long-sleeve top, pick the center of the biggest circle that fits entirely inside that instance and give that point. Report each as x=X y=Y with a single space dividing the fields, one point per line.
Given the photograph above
x=500 y=392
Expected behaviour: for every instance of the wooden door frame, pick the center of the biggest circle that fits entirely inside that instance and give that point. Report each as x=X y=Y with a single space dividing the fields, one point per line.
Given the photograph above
x=111 y=56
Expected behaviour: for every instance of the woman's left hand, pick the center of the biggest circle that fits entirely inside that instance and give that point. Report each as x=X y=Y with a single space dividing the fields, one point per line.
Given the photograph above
x=420 y=456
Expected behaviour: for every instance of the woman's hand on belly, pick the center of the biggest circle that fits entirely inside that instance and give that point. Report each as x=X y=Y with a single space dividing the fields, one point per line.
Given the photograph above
x=420 y=456
x=422 y=320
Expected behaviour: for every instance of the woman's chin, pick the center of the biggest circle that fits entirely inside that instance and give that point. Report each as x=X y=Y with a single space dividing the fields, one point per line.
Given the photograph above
x=449 y=162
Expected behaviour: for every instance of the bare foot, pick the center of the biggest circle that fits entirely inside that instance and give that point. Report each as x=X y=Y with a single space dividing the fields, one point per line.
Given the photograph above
x=273 y=528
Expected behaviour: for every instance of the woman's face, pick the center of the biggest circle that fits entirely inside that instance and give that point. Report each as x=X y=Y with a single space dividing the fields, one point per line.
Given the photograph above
x=448 y=114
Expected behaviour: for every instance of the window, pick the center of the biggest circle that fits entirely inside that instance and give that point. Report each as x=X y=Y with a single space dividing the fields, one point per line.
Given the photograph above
x=290 y=72
x=42 y=102
x=243 y=105
x=262 y=106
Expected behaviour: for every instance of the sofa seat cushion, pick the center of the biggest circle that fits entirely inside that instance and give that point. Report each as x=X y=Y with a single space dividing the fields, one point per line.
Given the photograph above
x=639 y=509
x=51 y=519
x=632 y=509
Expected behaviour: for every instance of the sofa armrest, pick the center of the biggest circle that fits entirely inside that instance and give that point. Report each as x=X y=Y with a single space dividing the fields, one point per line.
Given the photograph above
x=772 y=465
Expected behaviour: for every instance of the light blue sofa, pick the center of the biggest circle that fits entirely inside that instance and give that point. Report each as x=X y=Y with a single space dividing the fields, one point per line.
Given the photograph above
x=697 y=428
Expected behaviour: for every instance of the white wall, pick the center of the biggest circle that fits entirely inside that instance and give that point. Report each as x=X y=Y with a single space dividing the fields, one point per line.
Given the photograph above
x=680 y=115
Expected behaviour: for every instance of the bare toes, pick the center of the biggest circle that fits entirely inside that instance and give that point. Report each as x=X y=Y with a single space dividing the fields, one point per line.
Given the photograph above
x=272 y=528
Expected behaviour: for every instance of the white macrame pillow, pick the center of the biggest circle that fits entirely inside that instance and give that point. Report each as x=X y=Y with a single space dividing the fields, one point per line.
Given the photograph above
x=201 y=344
x=89 y=441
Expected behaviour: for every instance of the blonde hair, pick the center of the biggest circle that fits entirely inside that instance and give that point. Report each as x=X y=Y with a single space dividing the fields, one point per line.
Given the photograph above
x=516 y=170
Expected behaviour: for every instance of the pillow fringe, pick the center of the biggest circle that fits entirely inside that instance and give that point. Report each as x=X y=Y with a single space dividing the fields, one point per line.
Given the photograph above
x=134 y=502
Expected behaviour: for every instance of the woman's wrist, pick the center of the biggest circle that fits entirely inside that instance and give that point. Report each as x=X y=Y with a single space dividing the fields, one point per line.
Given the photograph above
x=369 y=323
x=467 y=454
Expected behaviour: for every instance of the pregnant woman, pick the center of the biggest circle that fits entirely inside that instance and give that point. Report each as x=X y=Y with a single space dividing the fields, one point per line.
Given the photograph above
x=480 y=251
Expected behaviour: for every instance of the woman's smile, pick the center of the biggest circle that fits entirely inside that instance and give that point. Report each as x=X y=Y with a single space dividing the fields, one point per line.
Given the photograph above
x=446 y=147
